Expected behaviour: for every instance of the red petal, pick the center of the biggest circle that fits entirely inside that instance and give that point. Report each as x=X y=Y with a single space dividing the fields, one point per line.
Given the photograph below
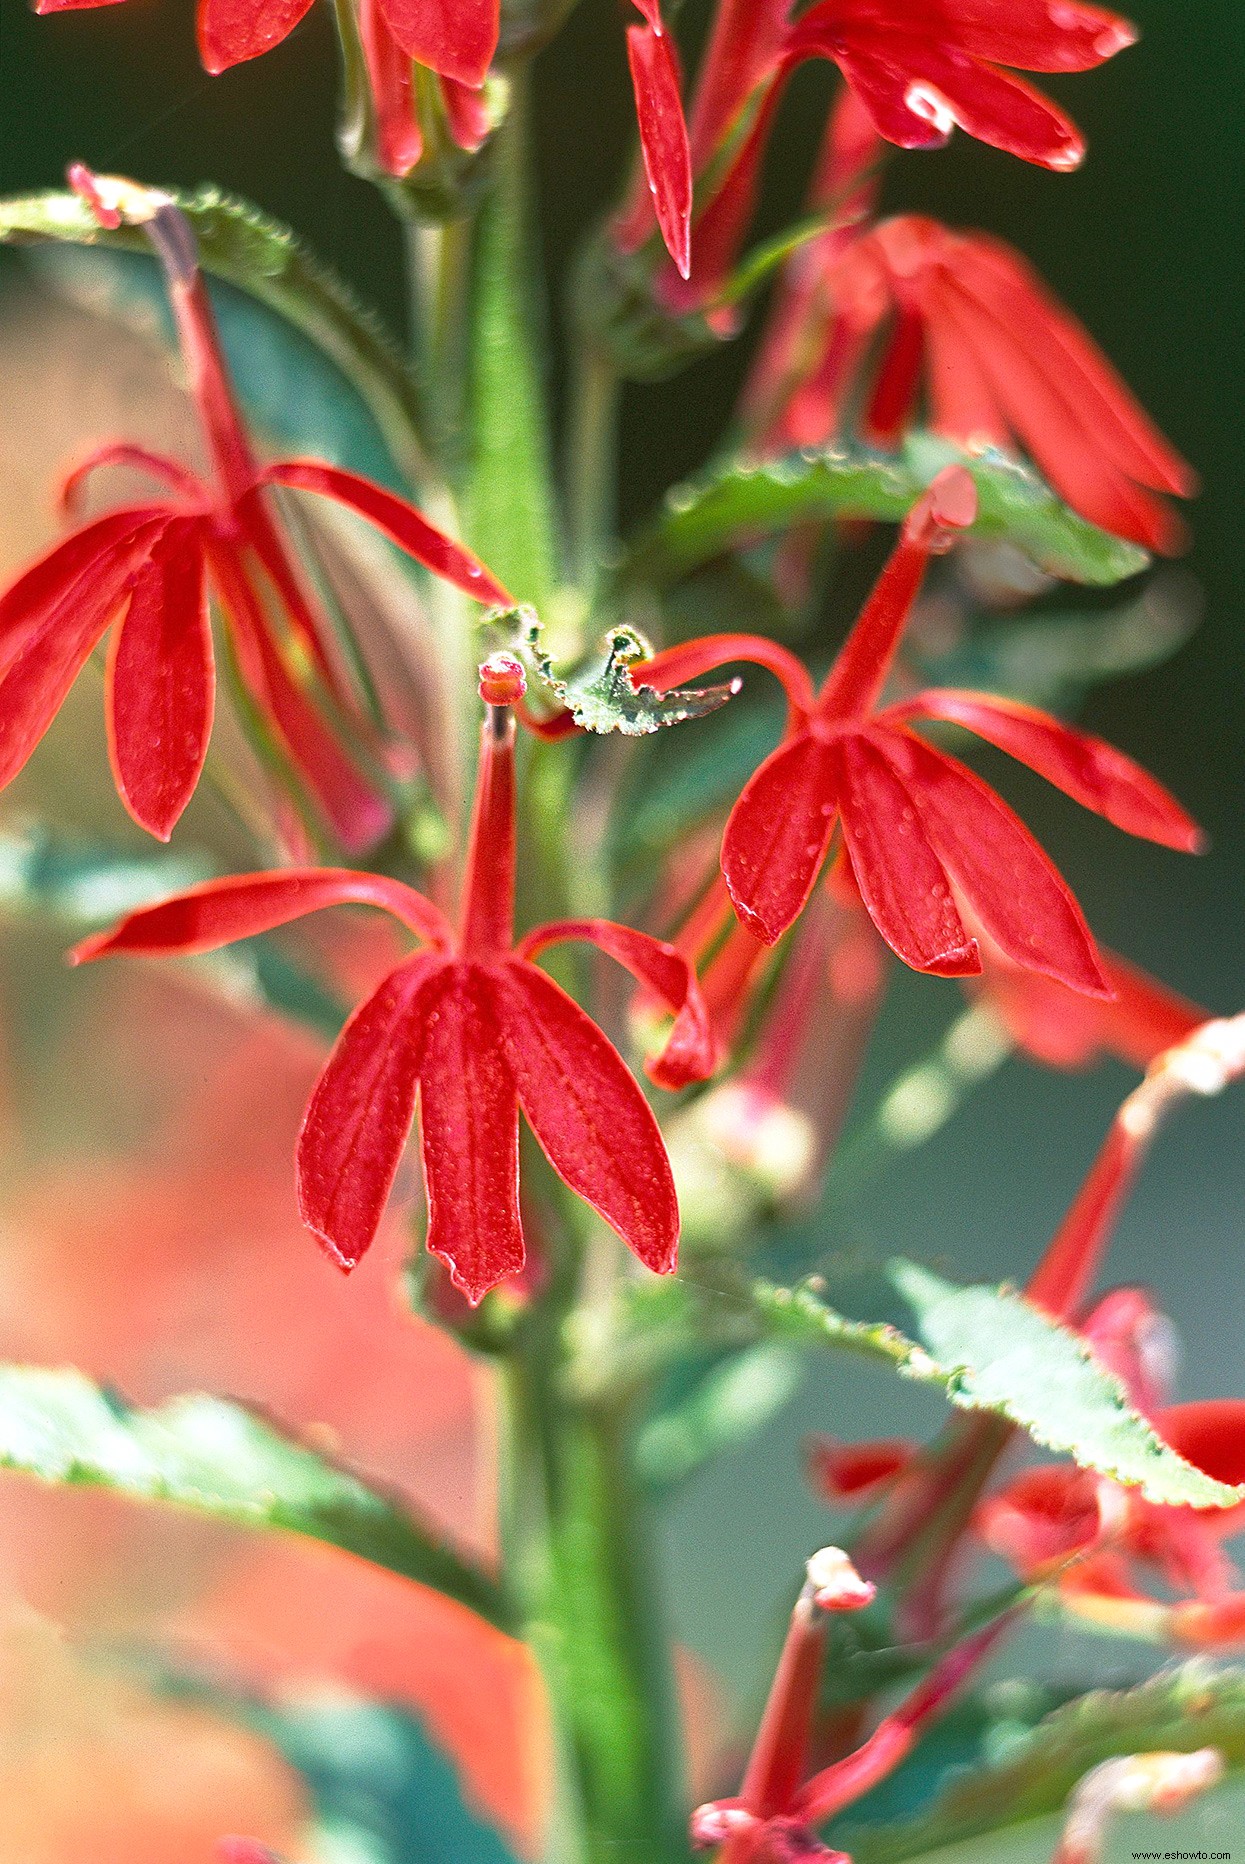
x=70 y=6
x=849 y=1471
x=663 y=133
x=1044 y=1515
x=689 y=1053
x=902 y=881
x=1210 y=1434
x=54 y=616
x=398 y=520
x=469 y=1121
x=1086 y=768
x=778 y=834
x=1036 y=35
x=691 y=660
x=233 y=30
x=218 y=911
x=455 y=37
x=161 y=683
x=592 y=1121
x=359 y=1116
x=1023 y=902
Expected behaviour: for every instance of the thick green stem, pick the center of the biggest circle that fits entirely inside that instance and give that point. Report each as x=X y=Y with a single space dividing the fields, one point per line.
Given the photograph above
x=591 y=463
x=578 y=1563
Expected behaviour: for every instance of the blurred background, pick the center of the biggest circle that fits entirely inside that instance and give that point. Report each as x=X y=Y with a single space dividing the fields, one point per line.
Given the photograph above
x=150 y=1236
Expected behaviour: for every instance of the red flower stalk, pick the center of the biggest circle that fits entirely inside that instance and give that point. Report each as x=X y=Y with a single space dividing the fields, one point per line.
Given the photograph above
x=916 y=822
x=773 y=1819
x=968 y=326
x=471 y=1025
x=149 y=568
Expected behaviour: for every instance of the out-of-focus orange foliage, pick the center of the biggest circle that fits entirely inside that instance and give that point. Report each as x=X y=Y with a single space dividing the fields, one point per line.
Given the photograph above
x=94 y=1770
x=180 y=1264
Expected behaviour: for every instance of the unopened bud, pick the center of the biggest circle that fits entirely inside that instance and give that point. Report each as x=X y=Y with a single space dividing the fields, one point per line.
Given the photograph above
x=1160 y=1782
x=834 y=1583
x=113 y=199
x=502 y=680
x=711 y=1825
x=948 y=505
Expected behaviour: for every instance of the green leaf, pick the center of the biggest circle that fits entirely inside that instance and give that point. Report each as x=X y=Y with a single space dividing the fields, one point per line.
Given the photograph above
x=382 y=1792
x=220 y=1460
x=1192 y=1707
x=735 y=502
x=997 y=1352
x=986 y=1349
x=601 y=697
x=265 y=260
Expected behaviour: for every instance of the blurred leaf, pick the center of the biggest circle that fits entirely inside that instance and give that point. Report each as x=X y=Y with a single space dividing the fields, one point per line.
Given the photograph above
x=511 y=520
x=728 y=1404
x=988 y=1349
x=86 y=885
x=601 y=697
x=221 y=1460
x=737 y=501
x=322 y=373
x=1184 y=1709
x=382 y=1792
x=1052 y=660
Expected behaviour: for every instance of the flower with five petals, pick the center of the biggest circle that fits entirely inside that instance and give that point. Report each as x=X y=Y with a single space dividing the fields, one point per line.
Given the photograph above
x=918 y=827
x=476 y=1030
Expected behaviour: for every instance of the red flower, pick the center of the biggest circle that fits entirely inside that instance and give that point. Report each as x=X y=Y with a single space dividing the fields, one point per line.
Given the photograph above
x=149 y=568
x=967 y=321
x=922 y=67
x=478 y=1031
x=915 y=821
x=457 y=39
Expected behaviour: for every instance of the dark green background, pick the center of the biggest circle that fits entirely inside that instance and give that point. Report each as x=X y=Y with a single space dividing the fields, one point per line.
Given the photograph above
x=1144 y=243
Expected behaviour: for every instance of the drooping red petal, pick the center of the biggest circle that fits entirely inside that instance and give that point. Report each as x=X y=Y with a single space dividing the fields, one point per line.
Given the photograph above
x=53 y=617
x=1021 y=899
x=469 y=1122
x=691 y=660
x=233 y=30
x=902 y=882
x=161 y=683
x=455 y=37
x=778 y=834
x=586 y=1110
x=663 y=132
x=1086 y=768
x=963 y=405
x=398 y=520
x=217 y=912
x=1210 y=1434
x=1034 y=35
x=158 y=466
x=360 y=1114
x=852 y=1471
x=690 y=1052
x=1044 y=1515
x=70 y=6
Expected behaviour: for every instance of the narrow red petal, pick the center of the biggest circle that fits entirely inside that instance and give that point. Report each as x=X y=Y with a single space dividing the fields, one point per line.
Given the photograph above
x=53 y=586
x=1035 y=35
x=398 y=520
x=161 y=683
x=70 y=6
x=469 y=1122
x=50 y=622
x=455 y=37
x=663 y=133
x=585 y=1108
x=850 y=1471
x=360 y=1114
x=902 y=882
x=690 y=1052
x=1086 y=768
x=217 y=912
x=233 y=30
x=1210 y=1434
x=691 y=660
x=1022 y=901
x=778 y=834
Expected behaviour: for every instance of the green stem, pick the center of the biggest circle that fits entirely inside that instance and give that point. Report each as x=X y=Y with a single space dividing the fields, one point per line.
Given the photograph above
x=591 y=452
x=439 y=268
x=578 y=1562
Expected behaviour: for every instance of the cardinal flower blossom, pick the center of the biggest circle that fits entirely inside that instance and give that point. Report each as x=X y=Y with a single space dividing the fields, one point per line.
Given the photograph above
x=146 y=570
x=968 y=327
x=472 y=1026
x=918 y=827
